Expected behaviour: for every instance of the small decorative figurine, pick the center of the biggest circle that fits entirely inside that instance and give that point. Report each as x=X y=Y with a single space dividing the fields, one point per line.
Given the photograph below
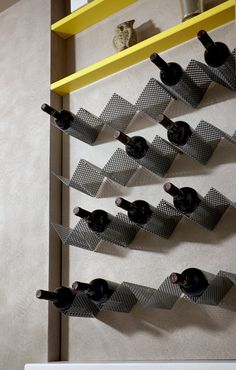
x=125 y=36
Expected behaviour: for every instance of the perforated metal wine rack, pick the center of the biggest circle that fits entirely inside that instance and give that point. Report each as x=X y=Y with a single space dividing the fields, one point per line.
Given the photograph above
x=128 y=294
x=121 y=231
x=117 y=232
x=89 y=178
x=162 y=222
x=153 y=100
x=203 y=142
x=211 y=208
x=224 y=75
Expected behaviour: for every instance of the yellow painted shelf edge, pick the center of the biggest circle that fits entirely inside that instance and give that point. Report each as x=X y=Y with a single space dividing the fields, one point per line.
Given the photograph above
x=88 y=15
x=178 y=34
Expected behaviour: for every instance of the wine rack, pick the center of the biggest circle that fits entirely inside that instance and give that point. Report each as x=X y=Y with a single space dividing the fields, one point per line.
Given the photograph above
x=117 y=232
x=203 y=142
x=162 y=222
x=122 y=231
x=194 y=72
x=89 y=178
x=165 y=218
x=153 y=100
x=127 y=295
x=224 y=75
x=85 y=127
x=211 y=208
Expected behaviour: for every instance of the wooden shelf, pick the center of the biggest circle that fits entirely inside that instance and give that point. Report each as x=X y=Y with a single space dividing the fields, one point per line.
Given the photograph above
x=176 y=35
x=88 y=15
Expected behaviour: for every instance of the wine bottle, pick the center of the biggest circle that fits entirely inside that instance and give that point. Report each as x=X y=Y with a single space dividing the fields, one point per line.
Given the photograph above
x=136 y=146
x=62 y=297
x=192 y=281
x=97 y=220
x=63 y=119
x=178 y=132
x=216 y=53
x=171 y=73
x=177 y=82
x=98 y=290
x=139 y=211
x=185 y=200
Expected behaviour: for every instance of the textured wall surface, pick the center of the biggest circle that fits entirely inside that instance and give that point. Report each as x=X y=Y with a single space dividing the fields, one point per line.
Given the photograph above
x=24 y=182
x=187 y=331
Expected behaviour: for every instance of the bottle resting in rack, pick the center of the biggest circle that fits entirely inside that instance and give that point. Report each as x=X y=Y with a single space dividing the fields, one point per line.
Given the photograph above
x=139 y=211
x=171 y=73
x=178 y=132
x=98 y=290
x=63 y=119
x=216 y=53
x=97 y=220
x=136 y=146
x=192 y=281
x=62 y=297
x=185 y=200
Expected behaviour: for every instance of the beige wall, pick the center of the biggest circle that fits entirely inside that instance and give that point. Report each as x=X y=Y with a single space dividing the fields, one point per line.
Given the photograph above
x=24 y=184
x=187 y=331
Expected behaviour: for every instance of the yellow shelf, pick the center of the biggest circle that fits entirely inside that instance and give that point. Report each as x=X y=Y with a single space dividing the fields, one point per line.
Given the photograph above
x=208 y=20
x=88 y=15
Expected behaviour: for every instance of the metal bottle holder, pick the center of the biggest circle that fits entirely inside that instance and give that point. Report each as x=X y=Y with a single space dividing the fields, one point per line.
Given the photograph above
x=224 y=75
x=85 y=126
x=117 y=232
x=121 y=230
x=128 y=294
x=153 y=100
x=203 y=141
x=162 y=222
x=158 y=160
x=118 y=113
x=192 y=85
x=89 y=178
x=211 y=209
x=218 y=287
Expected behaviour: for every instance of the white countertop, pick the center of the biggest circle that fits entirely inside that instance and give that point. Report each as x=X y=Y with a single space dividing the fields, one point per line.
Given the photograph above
x=188 y=365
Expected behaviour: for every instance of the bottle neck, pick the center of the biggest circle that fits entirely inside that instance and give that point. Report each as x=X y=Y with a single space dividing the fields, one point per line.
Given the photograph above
x=165 y=121
x=80 y=212
x=49 y=296
x=51 y=111
x=159 y=62
x=123 y=138
x=179 y=279
x=172 y=190
x=81 y=287
x=206 y=40
x=122 y=203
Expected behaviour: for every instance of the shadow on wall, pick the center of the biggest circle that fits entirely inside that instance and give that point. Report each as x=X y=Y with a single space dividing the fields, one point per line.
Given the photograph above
x=158 y=322
x=211 y=3
x=4 y=4
x=146 y=30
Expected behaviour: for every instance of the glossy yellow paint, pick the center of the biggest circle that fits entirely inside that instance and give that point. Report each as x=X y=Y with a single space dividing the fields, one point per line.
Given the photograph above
x=176 y=35
x=88 y=15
